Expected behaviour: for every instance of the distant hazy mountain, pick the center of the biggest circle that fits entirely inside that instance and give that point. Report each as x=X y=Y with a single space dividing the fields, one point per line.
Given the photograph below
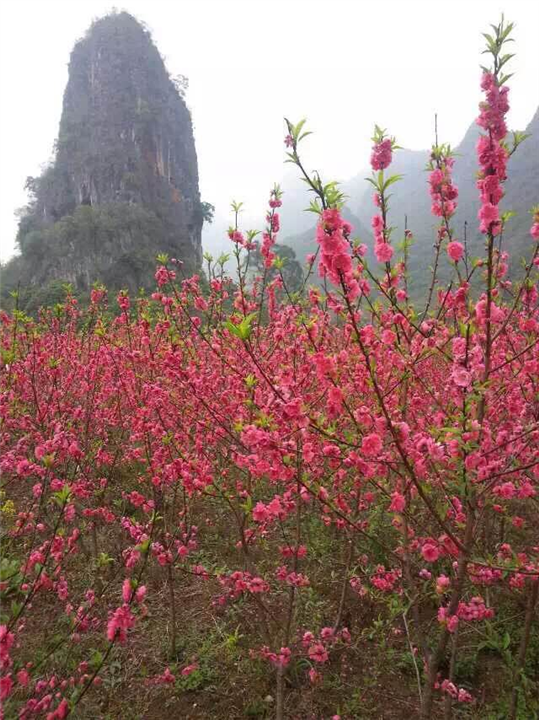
x=410 y=198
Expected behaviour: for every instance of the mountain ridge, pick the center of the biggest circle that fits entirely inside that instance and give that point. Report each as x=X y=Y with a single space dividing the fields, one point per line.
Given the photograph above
x=123 y=184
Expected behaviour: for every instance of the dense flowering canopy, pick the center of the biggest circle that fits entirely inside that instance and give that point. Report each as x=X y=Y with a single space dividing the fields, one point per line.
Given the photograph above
x=218 y=435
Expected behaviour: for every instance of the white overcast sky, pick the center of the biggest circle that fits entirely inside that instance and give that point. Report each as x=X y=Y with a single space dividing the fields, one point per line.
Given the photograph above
x=343 y=64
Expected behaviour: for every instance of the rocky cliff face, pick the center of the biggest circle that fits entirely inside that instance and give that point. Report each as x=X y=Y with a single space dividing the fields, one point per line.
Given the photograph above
x=123 y=185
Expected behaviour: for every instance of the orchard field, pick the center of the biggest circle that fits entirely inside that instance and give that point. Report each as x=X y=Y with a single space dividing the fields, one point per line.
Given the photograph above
x=230 y=500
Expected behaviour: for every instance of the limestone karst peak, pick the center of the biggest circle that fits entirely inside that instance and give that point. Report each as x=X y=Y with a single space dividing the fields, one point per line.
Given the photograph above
x=123 y=184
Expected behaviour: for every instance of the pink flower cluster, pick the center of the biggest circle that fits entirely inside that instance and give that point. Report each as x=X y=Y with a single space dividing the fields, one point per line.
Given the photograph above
x=398 y=502
x=240 y=582
x=6 y=687
x=236 y=236
x=458 y=694
x=166 y=678
x=274 y=201
x=35 y=707
x=279 y=659
x=385 y=580
x=272 y=228
x=268 y=241
x=123 y=302
x=492 y=155
x=357 y=586
x=382 y=154
x=443 y=192
x=493 y=110
x=371 y=445
x=534 y=231
x=128 y=593
x=273 y=510
x=121 y=620
x=461 y=377
x=485 y=576
x=317 y=648
x=6 y=642
x=442 y=584
x=430 y=552
x=163 y=276
x=293 y=579
x=382 y=249
x=455 y=250
x=97 y=295
x=381 y=157
x=451 y=621
x=444 y=196
x=332 y=234
x=475 y=610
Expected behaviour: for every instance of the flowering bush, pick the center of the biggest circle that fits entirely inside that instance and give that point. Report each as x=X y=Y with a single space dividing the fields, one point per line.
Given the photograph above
x=305 y=463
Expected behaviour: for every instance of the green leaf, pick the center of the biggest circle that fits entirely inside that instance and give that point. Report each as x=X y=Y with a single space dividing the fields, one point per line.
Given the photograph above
x=391 y=180
x=104 y=559
x=62 y=496
x=314 y=207
x=505 y=59
x=297 y=129
x=505 y=78
x=243 y=329
x=144 y=546
x=96 y=659
x=16 y=607
x=234 y=329
x=507 y=215
x=247 y=506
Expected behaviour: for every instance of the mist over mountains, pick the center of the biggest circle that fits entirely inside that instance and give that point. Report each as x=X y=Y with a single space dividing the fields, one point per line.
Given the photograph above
x=411 y=200
x=123 y=185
